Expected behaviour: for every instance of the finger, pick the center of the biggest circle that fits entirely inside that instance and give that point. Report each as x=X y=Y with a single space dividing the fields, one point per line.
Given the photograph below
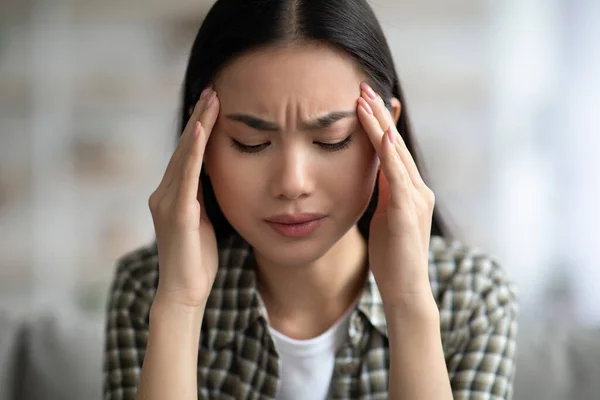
x=189 y=176
x=409 y=161
x=209 y=114
x=397 y=184
x=206 y=122
x=188 y=131
x=176 y=159
x=385 y=119
x=380 y=112
x=192 y=164
x=370 y=123
x=384 y=194
x=206 y=114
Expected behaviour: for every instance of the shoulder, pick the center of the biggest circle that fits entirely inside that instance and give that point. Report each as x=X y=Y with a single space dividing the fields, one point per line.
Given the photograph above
x=472 y=290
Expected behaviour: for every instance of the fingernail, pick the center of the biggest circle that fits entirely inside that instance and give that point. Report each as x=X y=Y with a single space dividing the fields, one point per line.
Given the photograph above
x=365 y=105
x=205 y=93
x=370 y=92
x=211 y=98
x=390 y=134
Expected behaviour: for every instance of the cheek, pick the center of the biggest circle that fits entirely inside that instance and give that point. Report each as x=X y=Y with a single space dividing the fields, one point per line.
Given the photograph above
x=358 y=177
x=226 y=175
x=366 y=162
x=366 y=185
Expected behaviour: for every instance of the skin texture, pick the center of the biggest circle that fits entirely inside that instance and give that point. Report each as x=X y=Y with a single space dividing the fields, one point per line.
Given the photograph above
x=292 y=173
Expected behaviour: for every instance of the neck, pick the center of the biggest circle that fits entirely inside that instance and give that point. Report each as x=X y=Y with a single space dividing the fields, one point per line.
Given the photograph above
x=304 y=301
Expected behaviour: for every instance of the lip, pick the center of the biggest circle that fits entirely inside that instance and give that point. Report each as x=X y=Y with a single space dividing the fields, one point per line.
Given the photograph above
x=295 y=225
x=291 y=219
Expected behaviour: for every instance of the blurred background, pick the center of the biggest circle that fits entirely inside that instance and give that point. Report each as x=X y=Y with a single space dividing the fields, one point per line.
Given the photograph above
x=504 y=98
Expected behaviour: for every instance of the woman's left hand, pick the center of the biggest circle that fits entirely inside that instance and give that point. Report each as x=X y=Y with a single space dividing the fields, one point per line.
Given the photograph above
x=400 y=229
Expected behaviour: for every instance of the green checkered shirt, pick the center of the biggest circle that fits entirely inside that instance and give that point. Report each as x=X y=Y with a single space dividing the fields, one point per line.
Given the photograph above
x=238 y=358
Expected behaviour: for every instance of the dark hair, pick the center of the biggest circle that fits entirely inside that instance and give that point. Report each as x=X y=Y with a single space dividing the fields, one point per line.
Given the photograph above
x=235 y=27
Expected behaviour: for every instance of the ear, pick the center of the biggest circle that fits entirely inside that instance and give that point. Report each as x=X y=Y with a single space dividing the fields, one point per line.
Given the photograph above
x=396 y=109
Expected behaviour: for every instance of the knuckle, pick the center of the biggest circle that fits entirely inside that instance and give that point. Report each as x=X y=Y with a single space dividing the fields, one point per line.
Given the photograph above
x=153 y=201
x=159 y=207
x=429 y=196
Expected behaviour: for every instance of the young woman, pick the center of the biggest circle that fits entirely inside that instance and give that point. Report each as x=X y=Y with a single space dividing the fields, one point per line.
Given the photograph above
x=298 y=254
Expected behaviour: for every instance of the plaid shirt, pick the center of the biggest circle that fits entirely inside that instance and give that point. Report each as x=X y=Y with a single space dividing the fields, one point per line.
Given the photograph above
x=237 y=356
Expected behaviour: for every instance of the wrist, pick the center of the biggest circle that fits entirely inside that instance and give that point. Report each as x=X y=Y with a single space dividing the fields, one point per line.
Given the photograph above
x=181 y=298
x=164 y=304
x=414 y=328
x=415 y=308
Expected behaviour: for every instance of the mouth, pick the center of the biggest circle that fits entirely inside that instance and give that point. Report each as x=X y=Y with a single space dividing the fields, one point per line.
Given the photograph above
x=295 y=225
x=292 y=219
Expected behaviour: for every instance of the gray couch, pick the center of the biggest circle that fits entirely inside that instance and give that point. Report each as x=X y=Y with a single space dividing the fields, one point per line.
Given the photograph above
x=59 y=357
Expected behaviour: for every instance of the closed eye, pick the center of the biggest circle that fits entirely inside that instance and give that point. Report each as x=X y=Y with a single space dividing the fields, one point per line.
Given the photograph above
x=344 y=144
x=245 y=148
x=253 y=149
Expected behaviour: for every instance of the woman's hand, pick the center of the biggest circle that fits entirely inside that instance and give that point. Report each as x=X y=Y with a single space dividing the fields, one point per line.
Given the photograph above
x=400 y=228
x=187 y=246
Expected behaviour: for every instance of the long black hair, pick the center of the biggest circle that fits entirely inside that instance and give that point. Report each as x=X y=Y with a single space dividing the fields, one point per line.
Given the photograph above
x=235 y=27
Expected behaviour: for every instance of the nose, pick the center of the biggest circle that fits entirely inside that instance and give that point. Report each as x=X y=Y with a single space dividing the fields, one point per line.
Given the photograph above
x=292 y=175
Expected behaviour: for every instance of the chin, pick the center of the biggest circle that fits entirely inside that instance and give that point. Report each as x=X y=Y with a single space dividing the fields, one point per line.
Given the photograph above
x=295 y=257
x=295 y=253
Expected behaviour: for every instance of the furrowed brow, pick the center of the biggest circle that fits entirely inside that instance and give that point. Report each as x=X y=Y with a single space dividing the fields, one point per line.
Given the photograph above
x=322 y=122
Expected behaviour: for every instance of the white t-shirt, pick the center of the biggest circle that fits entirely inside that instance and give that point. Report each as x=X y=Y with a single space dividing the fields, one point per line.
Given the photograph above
x=306 y=366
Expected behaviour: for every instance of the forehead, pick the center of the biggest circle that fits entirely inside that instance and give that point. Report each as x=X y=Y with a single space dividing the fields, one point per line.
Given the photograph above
x=301 y=72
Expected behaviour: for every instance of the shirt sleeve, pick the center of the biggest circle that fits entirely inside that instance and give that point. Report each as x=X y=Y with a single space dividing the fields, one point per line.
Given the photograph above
x=127 y=327
x=482 y=365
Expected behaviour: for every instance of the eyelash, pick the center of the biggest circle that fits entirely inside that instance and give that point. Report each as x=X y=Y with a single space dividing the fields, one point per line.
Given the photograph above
x=332 y=147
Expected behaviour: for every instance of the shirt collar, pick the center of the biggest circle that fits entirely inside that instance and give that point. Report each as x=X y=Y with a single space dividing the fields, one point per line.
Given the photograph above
x=234 y=303
x=370 y=305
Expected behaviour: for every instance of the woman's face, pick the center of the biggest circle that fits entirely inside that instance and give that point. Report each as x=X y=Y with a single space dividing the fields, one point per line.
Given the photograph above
x=288 y=142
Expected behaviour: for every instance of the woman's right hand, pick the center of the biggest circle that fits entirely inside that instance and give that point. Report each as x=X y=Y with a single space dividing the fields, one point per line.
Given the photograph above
x=187 y=246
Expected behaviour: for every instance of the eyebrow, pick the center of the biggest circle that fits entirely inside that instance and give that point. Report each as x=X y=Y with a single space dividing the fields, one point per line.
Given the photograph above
x=318 y=123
